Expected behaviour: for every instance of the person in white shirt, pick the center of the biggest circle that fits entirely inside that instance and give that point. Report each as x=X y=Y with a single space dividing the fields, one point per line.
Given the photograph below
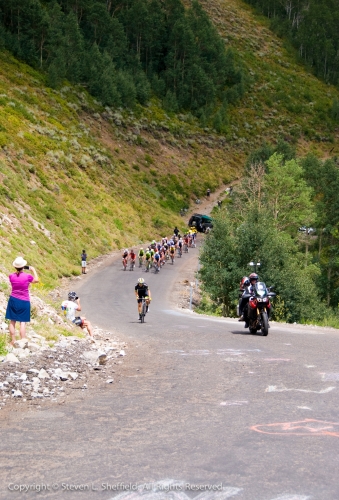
x=70 y=307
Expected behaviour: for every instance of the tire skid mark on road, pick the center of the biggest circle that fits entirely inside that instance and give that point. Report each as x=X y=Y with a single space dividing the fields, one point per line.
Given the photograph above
x=292 y=497
x=233 y=403
x=327 y=377
x=282 y=388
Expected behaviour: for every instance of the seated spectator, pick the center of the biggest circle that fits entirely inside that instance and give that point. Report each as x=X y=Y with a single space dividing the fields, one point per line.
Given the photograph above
x=72 y=305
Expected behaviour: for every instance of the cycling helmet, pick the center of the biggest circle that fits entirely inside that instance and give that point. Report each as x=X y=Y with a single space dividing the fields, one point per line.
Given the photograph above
x=254 y=276
x=141 y=280
x=141 y=248
x=72 y=296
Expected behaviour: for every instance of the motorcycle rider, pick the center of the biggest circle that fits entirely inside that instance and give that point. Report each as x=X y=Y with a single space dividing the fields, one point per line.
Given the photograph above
x=246 y=285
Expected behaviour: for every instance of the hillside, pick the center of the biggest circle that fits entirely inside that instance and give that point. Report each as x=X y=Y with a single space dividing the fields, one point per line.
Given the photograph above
x=79 y=175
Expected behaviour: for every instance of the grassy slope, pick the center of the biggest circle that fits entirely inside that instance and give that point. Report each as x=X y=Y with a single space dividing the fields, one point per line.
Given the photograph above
x=75 y=175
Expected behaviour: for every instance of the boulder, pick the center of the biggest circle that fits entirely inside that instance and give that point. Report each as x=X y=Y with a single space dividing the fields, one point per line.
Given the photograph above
x=17 y=393
x=22 y=343
x=43 y=374
x=11 y=358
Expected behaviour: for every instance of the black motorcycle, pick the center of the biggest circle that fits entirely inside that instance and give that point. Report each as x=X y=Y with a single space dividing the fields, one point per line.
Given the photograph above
x=258 y=303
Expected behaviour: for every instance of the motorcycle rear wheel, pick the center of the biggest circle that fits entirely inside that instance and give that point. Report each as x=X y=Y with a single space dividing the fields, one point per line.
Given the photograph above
x=264 y=324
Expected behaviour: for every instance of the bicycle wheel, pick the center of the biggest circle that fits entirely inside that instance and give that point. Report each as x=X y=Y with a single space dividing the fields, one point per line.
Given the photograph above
x=143 y=311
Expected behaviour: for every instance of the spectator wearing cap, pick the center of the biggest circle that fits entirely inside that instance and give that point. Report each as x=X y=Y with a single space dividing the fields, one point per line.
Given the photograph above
x=19 y=305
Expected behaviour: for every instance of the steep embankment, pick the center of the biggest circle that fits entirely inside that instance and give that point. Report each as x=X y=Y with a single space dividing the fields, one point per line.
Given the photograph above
x=283 y=99
x=76 y=175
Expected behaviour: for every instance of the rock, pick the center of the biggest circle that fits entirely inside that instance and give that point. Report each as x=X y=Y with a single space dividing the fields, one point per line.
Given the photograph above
x=16 y=393
x=22 y=343
x=102 y=358
x=91 y=356
x=109 y=381
x=61 y=374
x=21 y=353
x=36 y=395
x=73 y=375
x=122 y=353
x=23 y=377
x=11 y=358
x=43 y=374
x=32 y=370
x=33 y=347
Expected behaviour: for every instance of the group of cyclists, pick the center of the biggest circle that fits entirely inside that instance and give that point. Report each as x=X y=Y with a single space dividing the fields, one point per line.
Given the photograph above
x=158 y=253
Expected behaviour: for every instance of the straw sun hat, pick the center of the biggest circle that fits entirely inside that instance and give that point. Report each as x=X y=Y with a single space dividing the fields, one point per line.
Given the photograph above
x=19 y=262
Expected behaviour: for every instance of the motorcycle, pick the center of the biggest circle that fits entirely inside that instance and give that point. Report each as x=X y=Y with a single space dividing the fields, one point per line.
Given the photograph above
x=258 y=304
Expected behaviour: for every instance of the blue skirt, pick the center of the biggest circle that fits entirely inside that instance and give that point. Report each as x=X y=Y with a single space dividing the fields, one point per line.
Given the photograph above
x=18 y=310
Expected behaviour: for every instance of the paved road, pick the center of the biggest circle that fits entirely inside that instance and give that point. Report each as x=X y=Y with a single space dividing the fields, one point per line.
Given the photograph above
x=200 y=404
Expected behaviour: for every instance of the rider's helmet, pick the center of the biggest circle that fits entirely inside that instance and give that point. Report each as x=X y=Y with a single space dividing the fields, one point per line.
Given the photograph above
x=254 y=276
x=141 y=280
x=244 y=282
x=72 y=296
x=141 y=248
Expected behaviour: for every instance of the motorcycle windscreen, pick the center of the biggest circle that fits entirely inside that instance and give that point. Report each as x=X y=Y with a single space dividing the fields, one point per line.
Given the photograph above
x=260 y=289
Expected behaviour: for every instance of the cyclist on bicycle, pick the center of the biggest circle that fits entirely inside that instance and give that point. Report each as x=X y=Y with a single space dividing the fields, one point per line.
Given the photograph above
x=141 y=255
x=132 y=257
x=180 y=244
x=156 y=260
x=124 y=258
x=142 y=291
x=148 y=259
x=172 y=251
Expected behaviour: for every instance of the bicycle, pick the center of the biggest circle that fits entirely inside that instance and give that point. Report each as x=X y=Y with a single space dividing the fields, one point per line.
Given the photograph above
x=132 y=265
x=148 y=265
x=124 y=264
x=179 y=251
x=141 y=260
x=156 y=267
x=172 y=258
x=143 y=309
x=185 y=248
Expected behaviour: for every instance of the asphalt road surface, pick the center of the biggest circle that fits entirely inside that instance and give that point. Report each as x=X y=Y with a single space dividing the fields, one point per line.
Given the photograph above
x=202 y=409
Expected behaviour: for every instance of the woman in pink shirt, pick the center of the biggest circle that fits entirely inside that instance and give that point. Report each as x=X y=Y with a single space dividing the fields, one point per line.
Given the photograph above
x=19 y=305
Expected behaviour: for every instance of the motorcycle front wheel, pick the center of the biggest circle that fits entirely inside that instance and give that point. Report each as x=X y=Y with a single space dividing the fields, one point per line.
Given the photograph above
x=264 y=323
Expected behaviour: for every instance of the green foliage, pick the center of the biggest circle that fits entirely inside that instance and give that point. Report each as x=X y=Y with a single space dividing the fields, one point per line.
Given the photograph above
x=3 y=345
x=120 y=49
x=260 y=225
x=312 y=27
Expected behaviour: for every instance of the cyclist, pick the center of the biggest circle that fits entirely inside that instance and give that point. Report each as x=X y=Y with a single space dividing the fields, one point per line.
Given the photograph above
x=153 y=245
x=180 y=244
x=186 y=240
x=141 y=255
x=141 y=290
x=172 y=252
x=124 y=258
x=132 y=257
x=156 y=260
x=148 y=259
